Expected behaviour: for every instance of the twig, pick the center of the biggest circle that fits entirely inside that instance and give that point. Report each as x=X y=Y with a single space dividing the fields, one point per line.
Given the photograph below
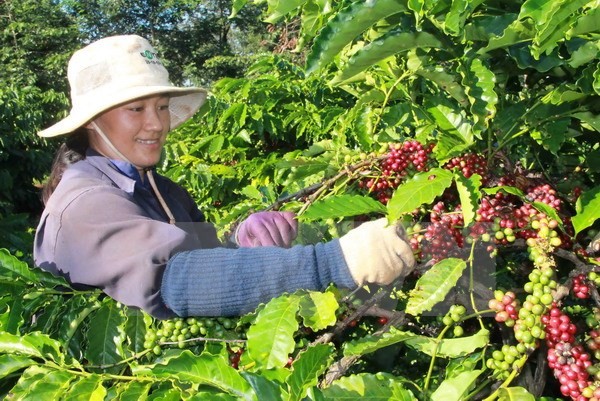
x=340 y=367
x=342 y=325
x=207 y=339
x=315 y=190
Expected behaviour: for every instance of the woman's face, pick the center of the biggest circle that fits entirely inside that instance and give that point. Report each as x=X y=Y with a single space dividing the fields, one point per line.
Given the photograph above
x=137 y=129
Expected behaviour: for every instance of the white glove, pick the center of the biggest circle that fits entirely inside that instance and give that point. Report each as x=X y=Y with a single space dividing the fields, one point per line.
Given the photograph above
x=377 y=253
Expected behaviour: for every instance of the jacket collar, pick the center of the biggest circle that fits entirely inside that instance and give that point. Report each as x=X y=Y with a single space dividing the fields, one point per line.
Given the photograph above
x=123 y=174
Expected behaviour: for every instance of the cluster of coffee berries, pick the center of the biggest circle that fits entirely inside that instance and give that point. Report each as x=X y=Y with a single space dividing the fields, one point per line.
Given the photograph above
x=580 y=287
x=507 y=359
x=469 y=164
x=569 y=363
x=403 y=160
x=178 y=332
x=506 y=307
x=529 y=324
x=544 y=193
x=455 y=315
x=568 y=359
x=441 y=238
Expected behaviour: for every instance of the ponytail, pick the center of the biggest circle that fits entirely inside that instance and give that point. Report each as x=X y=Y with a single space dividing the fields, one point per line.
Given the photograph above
x=71 y=151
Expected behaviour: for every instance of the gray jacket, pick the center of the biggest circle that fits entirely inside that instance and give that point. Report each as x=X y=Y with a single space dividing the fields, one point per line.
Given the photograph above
x=104 y=229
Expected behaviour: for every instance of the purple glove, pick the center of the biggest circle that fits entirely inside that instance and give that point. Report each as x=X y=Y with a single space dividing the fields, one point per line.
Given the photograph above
x=268 y=228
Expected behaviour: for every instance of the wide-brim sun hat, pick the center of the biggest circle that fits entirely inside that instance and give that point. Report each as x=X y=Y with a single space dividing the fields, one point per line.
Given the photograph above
x=116 y=70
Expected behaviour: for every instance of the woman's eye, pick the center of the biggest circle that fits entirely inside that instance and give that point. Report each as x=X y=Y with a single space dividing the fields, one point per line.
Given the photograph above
x=164 y=107
x=136 y=108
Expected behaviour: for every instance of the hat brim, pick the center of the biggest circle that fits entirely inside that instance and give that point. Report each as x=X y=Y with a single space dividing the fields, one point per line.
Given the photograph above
x=183 y=104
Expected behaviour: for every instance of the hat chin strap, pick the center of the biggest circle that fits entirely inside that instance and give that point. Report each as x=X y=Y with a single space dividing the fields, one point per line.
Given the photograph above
x=147 y=171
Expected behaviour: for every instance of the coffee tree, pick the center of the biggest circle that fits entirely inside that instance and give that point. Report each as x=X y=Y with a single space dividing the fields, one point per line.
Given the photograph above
x=473 y=124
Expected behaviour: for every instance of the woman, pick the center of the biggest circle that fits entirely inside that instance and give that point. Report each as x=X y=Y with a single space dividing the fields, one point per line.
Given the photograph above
x=111 y=222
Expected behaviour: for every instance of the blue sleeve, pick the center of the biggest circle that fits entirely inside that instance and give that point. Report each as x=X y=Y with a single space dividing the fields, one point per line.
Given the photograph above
x=231 y=282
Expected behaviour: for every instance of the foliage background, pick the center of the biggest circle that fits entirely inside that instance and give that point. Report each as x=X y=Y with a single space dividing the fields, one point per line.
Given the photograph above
x=310 y=97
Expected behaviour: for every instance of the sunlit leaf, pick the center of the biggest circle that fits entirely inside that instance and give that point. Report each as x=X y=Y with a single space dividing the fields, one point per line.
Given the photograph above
x=588 y=209
x=515 y=394
x=307 y=369
x=391 y=43
x=271 y=337
x=88 y=388
x=106 y=335
x=456 y=387
x=342 y=206
x=433 y=286
x=468 y=191
x=345 y=26
x=10 y=363
x=205 y=369
x=318 y=310
x=422 y=189
x=375 y=387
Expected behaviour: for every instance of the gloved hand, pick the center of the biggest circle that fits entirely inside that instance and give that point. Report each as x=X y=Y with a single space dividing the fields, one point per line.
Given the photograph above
x=377 y=253
x=267 y=228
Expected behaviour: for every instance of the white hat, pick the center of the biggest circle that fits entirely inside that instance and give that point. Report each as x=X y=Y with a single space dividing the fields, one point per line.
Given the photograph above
x=116 y=70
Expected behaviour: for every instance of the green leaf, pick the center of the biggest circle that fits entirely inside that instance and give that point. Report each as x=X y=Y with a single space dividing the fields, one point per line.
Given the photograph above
x=11 y=267
x=134 y=391
x=515 y=394
x=588 y=209
x=106 y=335
x=591 y=119
x=455 y=18
x=31 y=344
x=468 y=191
x=280 y=8
x=457 y=130
x=345 y=26
x=236 y=7
x=363 y=125
x=265 y=387
x=505 y=188
x=587 y=52
x=318 y=310
x=41 y=384
x=455 y=388
x=450 y=347
x=552 y=23
x=433 y=286
x=446 y=82
x=217 y=144
x=307 y=368
x=210 y=370
x=136 y=326
x=371 y=343
x=372 y=387
x=516 y=32
x=480 y=82
x=341 y=206
x=445 y=348
x=390 y=43
x=74 y=311
x=13 y=363
x=88 y=388
x=271 y=337
x=422 y=189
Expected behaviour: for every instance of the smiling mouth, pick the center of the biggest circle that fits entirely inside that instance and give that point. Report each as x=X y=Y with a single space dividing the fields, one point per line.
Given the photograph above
x=148 y=141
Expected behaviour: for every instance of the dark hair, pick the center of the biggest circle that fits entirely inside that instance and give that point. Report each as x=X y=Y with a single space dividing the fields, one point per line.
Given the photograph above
x=69 y=152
